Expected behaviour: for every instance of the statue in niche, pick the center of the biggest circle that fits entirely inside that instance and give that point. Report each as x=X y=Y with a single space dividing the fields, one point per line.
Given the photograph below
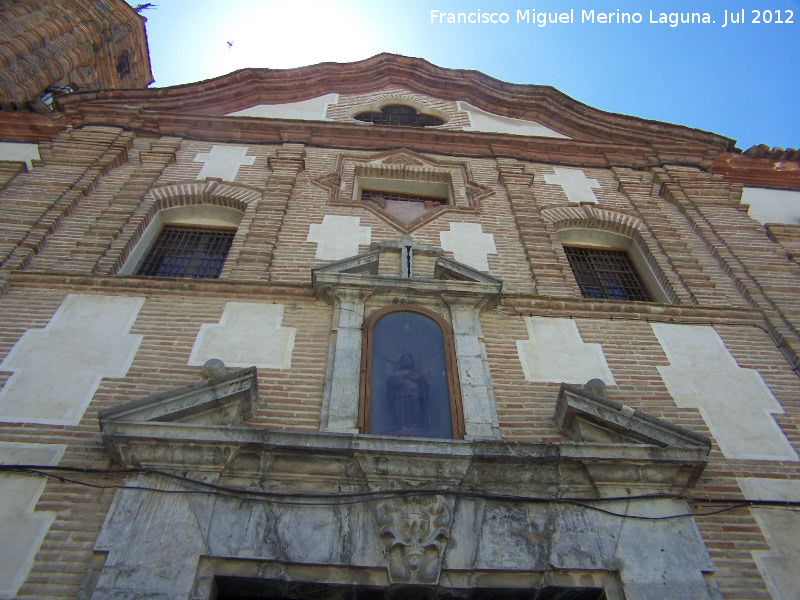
x=407 y=392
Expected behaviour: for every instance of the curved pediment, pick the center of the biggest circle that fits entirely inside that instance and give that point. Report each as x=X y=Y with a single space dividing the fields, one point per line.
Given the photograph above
x=480 y=103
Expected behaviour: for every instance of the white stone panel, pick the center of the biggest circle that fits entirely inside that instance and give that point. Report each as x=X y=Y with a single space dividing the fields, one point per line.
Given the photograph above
x=480 y=120
x=223 y=162
x=340 y=397
x=338 y=237
x=477 y=391
x=469 y=244
x=576 y=185
x=781 y=528
x=22 y=528
x=57 y=369
x=664 y=558
x=248 y=334
x=554 y=352
x=313 y=109
x=772 y=206
x=20 y=152
x=735 y=403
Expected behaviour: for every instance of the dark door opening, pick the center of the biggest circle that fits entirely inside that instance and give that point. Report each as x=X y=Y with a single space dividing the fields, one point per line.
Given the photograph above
x=238 y=588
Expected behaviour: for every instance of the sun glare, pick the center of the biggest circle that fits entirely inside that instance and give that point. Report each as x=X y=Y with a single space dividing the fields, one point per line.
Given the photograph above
x=292 y=34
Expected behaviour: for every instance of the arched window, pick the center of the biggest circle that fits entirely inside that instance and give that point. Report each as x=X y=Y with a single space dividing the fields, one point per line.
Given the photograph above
x=399 y=114
x=612 y=266
x=606 y=273
x=186 y=241
x=181 y=251
x=409 y=381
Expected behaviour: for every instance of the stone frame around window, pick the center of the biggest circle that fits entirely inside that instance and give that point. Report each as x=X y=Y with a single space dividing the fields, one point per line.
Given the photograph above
x=405 y=172
x=457 y=293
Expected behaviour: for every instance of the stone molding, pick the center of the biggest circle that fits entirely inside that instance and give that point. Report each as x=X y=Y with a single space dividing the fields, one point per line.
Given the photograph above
x=404 y=171
x=576 y=404
x=542 y=104
x=435 y=513
x=198 y=428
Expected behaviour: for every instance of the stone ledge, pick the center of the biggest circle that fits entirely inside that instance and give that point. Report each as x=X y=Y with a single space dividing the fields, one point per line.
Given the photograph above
x=575 y=404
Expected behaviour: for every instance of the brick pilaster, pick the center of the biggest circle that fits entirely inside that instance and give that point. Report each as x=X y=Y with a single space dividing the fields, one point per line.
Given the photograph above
x=538 y=240
x=33 y=204
x=255 y=258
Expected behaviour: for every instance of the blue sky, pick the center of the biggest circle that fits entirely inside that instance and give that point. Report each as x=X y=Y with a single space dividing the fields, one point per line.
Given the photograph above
x=741 y=81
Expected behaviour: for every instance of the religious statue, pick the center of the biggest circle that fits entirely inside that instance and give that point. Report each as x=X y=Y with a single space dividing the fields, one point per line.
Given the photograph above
x=407 y=392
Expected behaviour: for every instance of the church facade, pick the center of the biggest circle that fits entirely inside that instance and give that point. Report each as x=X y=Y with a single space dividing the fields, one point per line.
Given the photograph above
x=389 y=330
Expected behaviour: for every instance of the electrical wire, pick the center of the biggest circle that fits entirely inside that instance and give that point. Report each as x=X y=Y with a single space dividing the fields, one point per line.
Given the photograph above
x=347 y=498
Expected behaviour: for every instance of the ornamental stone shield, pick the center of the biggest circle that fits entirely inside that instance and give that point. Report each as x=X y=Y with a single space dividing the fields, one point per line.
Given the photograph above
x=414 y=530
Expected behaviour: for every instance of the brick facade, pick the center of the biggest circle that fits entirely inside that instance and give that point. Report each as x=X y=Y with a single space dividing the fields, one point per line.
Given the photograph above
x=71 y=223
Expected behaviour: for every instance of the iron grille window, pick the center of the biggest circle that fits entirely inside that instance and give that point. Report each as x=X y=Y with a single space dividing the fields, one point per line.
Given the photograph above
x=608 y=274
x=188 y=252
x=399 y=114
x=381 y=198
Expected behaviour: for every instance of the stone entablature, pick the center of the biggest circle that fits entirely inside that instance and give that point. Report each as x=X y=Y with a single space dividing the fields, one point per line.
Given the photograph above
x=429 y=512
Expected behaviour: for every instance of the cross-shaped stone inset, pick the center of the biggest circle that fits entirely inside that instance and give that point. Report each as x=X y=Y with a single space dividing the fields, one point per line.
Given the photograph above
x=57 y=369
x=248 y=334
x=469 y=244
x=735 y=403
x=223 y=162
x=22 y=527
x=575 y=184
x=338 y=237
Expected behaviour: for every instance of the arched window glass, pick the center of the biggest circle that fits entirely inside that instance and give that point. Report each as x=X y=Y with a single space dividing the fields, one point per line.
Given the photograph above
x=399 y=114
x=408 y=388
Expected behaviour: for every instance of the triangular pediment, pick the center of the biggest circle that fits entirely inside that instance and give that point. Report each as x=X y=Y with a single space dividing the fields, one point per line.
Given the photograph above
x=228 y=399
x=584 y=416
x=368 y=265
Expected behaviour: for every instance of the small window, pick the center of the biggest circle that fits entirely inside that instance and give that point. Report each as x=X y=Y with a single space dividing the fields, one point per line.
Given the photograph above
x=124 y=64
x=608 y=274
x=399 y=114
x=187 y=252
x=408 y=385
x=406 y=208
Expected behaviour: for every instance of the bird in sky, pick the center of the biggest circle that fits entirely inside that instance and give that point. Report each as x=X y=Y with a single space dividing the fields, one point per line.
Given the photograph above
x=230 y=45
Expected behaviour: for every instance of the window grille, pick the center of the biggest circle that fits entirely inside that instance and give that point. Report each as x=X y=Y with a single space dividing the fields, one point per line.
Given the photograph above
x=381 y=198
x=187 y=252
x=399 y=114
x=608 y=274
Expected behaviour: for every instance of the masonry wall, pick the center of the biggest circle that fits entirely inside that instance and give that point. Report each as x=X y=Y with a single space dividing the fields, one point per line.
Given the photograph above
x=69 y=224
x=78 y=44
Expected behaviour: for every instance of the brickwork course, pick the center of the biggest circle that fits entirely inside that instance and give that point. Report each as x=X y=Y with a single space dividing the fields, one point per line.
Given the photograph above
x=77 y=44
x=69 y=225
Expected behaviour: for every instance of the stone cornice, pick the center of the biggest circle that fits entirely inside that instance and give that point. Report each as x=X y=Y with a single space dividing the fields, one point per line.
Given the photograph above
x=615 y=420
x=386 y=462
x=514 y=304
x=335 y=134
x=542 y=104
x=759 y=171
